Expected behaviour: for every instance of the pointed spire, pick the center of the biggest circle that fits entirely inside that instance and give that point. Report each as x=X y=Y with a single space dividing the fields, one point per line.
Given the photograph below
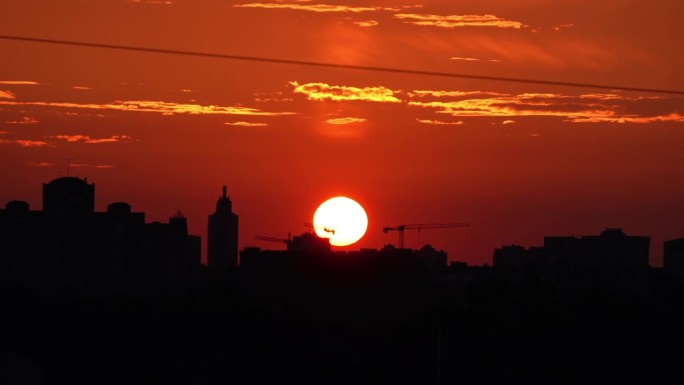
x=224 y=204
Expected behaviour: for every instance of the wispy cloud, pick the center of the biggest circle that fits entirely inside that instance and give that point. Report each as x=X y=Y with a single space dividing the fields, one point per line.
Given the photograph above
x=586 y=108
x=439 y=122
x=7 y=95
x=442 y=93
x=323 y=91
x=246 y=124
x=24 y=120
x=265 y=97
x=508 y=122
x=164 y=108
x=323 y=8
x=474 y=59
x=366 y=23
x=612 y=117
x=151 y=2
x=82 y=88
x=563 y=26
x=343 y=121
x=455 y=21
x=25 y=142
x=88 y=165
x=38 y=164
x=90 y=140
x=19 y=82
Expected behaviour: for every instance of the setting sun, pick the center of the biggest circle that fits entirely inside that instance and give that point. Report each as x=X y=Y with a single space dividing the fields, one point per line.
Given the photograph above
x=342 y=220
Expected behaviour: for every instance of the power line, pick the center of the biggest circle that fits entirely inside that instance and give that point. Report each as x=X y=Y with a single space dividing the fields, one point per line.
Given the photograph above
x=340 y=66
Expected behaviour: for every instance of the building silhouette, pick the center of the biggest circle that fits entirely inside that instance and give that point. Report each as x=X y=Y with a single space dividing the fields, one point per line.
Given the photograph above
x=69 y=197
x=302 y=251
x=71 y=250
x=673 y=256
x=516 y=258
x=610 y=253
x=222 y=236
x=309 y=251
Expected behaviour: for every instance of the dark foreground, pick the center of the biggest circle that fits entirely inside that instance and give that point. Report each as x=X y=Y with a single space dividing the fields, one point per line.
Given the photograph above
x=342 y=328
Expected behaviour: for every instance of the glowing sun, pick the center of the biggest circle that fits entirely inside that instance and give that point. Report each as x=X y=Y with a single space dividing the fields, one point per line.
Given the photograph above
x=342 y=220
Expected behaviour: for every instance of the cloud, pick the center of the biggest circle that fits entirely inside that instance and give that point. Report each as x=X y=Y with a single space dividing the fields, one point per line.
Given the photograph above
x=90 y=140
x=3 y=132
x=24 y=142
x=563 y=26
x=19 y=82
x=270 y=100
x=474 y=59
x=38 y=164
x=367 y=23
x=585 y=108
x=81 y=88
x=343 y=121
x=618 y=97
x=24 y=120
x=615 y=118
x=439 y=122
x=508 y=122
x=455 y=21
x=246 y=124
x=87 y=165
x=151 y=2
x=265 y=97
x=321 y=8
x=323 y=91
x=164 y=108
x=441 y=94
x=7 y=95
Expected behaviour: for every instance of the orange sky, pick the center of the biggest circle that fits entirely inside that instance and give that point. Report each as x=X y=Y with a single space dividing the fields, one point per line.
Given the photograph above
x=516 y=161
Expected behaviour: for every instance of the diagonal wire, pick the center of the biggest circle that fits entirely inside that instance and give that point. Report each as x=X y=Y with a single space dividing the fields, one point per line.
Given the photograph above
x=340 y=66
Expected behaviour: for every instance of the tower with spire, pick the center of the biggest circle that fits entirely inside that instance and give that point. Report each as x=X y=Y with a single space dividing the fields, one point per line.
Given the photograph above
x=222 y=235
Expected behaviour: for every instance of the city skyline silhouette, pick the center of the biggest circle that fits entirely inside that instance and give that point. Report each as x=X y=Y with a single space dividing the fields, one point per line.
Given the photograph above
x=66 y=197
x=70 y=250
x=405 y=305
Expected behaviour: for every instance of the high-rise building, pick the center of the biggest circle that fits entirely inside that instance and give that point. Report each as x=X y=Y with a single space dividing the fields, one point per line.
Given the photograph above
x=222 y=235
x=69 y=196
x=673 y=256
x=612 y=251
x=70 y=249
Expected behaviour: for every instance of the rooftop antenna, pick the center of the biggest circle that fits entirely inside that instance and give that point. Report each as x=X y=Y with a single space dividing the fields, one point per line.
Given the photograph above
x=68 y=160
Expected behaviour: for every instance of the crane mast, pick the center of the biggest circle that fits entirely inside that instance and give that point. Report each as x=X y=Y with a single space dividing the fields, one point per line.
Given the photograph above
x=270 y=239
x=420 y=226
x=286 y=241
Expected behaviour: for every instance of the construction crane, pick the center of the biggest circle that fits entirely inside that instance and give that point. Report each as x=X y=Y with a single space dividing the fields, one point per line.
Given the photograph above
x=327 y=230
x=274 y=239
x=419 y=227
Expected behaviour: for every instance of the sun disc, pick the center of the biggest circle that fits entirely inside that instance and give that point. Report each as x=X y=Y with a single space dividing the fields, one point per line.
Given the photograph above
x=342 y=220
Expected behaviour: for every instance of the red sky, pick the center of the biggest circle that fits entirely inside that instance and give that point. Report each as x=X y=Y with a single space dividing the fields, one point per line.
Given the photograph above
x=517 y=161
